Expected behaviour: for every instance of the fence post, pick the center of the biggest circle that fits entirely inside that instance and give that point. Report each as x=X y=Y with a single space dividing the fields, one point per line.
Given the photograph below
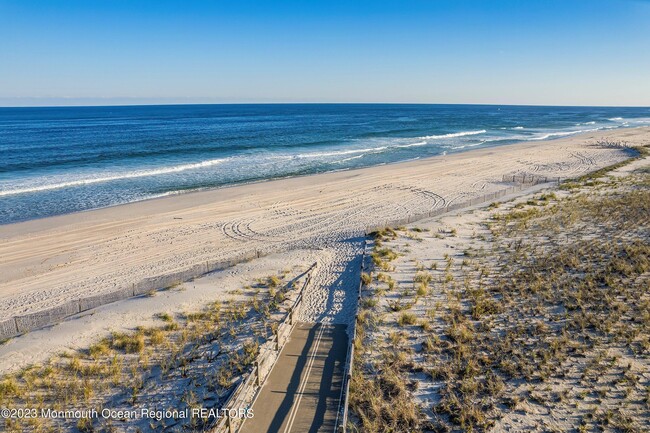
x=258 y=380
x=16 y=325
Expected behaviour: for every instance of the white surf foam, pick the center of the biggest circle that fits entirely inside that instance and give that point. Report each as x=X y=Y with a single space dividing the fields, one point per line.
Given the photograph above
x=561 y=134
x=453 y=135
x=333 y=153
x=419 y=143
x=350 y=158
x=128 y=175
x=364 y=151
x=468 y=145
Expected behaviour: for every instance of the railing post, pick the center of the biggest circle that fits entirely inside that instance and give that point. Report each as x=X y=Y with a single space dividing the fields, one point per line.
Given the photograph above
x=258 y=380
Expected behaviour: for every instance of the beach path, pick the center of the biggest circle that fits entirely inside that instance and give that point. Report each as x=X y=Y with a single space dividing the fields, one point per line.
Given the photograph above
x=302 y=392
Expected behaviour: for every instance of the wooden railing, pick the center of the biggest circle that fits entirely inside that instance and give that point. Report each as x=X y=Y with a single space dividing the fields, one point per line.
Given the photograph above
x=246 y=391
x=344 y=404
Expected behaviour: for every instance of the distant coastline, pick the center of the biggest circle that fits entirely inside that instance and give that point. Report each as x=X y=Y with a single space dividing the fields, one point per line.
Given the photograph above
x=64 y=160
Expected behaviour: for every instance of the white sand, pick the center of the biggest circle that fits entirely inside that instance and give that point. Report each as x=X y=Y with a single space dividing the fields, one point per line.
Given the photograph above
x=46 y=262
x=332 y=296
x=84 y=329
x=328 y=299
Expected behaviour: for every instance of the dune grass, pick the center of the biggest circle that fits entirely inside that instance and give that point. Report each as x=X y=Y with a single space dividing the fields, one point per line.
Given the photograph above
x=190 y=359
x=549 y=321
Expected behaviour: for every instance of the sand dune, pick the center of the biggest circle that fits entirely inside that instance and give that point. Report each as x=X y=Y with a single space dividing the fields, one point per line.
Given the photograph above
x=46 y=262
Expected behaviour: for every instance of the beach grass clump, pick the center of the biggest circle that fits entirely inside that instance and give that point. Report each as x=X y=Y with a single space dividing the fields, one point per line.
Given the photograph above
x=384 y=234
x=423 y=277
x=128 y=342
x=407 y=319
x=383 y=256
x=383 y=403
x=421 y=289
x=273 y=281
x=399 y=305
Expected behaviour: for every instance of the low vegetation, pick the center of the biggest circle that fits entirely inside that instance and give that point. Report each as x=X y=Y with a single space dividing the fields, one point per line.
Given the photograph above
x=190 y=360
x=543 y=325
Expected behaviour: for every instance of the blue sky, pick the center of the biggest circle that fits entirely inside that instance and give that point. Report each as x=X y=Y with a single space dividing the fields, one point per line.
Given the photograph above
x=568 y=52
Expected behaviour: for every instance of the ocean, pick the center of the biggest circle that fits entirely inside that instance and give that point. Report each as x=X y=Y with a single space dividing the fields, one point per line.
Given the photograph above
x=58 y=160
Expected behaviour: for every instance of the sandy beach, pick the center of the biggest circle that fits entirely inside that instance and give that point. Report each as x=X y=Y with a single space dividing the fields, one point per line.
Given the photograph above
x=45 y=262
x=233 y=217
x=422 y=268
x=317 y=219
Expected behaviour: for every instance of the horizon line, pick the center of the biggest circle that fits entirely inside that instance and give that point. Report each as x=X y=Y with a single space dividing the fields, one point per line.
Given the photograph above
x=163 y=104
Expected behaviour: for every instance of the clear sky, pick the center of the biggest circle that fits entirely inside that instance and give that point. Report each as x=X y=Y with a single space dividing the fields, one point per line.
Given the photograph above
x=554 y=52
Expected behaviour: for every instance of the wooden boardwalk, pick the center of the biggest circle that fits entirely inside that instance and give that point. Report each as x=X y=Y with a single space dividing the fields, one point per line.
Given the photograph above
x=301 y=395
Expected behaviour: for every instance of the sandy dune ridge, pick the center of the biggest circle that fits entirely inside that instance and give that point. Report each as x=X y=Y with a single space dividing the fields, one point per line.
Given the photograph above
x=46 y=262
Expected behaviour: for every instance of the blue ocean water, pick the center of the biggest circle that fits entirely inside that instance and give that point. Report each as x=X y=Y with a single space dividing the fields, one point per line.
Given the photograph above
x=64 y=159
